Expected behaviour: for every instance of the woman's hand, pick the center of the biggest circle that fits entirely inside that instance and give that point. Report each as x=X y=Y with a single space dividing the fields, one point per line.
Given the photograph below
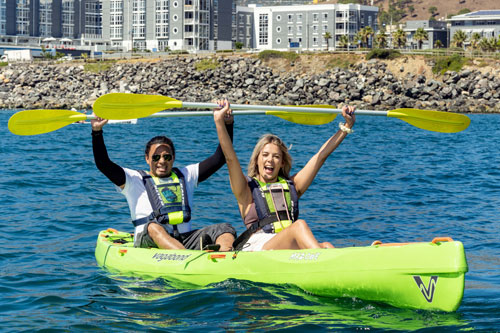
x=348 y=114
x=98 y=123
x=223 y=112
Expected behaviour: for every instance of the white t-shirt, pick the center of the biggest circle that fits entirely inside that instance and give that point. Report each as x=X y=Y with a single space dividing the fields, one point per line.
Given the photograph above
x=137 y=196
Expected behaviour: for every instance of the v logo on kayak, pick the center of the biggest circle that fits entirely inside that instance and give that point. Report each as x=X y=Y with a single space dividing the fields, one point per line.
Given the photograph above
x=427 y=291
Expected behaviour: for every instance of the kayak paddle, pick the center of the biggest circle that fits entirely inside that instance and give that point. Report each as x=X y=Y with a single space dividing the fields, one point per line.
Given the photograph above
x=33 y=122
x=126 y=106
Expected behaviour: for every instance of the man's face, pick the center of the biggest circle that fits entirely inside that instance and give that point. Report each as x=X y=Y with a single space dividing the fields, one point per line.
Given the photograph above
x=160 y=160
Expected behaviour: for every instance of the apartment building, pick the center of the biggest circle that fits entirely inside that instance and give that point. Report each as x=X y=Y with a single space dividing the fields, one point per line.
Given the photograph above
x=27 y=21
x=158 y=25
x=154 y=25
x=301 y=26
x=484 y=22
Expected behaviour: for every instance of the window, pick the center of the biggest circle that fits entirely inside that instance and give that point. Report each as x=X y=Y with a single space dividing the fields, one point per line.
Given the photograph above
x=278 y=18
x=278 y=29
x=299 y=18
x=315 y=17
x=263 y=28
x=290 y=18
x=290 y=30
x=315 y=29
x=278 y=40
x=299 y=30
x=325 y=16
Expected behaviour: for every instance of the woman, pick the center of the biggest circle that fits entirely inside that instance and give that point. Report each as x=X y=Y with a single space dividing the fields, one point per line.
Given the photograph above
x=268 y=197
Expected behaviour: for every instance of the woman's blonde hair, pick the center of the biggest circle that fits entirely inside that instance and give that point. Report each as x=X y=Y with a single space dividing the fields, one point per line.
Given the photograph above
x=253 y=168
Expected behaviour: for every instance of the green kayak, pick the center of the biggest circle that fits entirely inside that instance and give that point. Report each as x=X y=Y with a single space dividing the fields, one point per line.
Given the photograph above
x=424 y=275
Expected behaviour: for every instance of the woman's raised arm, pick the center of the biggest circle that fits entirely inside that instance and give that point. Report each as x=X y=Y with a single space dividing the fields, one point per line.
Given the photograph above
x=238 y=181
x=305 y=177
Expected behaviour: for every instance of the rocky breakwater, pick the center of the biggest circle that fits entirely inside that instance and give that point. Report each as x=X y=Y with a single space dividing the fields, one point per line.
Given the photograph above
x=369 y=85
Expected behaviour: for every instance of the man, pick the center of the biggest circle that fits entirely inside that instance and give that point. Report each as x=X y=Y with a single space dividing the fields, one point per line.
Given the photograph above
x=159 y=200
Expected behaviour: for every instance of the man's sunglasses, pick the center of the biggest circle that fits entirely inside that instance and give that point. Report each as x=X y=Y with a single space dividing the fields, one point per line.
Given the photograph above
x=166 y=157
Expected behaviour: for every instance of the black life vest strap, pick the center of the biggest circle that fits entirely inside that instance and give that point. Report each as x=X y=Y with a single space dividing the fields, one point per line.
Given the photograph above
x=245 y=235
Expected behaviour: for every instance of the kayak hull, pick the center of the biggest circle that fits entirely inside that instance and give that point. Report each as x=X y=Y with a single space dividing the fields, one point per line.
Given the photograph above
x=426 y=275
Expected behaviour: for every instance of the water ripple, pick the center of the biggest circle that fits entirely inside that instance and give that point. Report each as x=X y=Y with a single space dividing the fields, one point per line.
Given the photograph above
x=388 y=181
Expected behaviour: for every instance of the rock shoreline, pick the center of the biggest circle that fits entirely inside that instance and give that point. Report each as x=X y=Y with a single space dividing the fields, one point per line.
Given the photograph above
x=368 y=85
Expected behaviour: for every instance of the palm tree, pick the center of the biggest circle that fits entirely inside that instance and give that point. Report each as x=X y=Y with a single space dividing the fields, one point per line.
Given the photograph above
x=381 y=40
x=488 y=44
x=367 y=33
x=358 y=38
x=420 y=36
x=399 y=38
x=438 y=44
x=474 y=40
x=327 y=35
x=484 y=44
x=459 y=38
x=343 y=41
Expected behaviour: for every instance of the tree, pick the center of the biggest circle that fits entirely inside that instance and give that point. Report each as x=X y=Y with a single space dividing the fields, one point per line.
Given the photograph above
x=459 y=38
x=381 y=40
x=358 y=39
x=343 y=41
x=438 y=44
x=420 y=36
x=399 y=38
x=238 y=45
x=327 y=35
x=367 y=33
x=411 y=8
x=488 y=44
x=433 y=10
x=474 y=40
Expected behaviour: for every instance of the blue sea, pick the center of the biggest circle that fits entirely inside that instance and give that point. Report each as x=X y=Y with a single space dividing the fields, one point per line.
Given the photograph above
x=387 y=181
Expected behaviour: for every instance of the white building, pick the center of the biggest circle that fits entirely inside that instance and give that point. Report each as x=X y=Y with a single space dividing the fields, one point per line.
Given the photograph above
x=484 y=22
x=191 y=25
x=301 y=26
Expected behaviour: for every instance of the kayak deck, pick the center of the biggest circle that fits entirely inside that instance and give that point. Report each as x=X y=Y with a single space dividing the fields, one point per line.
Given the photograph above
x=425 y=275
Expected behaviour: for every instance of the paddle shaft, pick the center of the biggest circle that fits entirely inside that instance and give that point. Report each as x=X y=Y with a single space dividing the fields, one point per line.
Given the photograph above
x=254 y=108
x=168 y=114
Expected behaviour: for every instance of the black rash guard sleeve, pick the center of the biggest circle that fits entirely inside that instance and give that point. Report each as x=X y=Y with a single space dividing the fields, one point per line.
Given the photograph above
x=113 y=171
x=213 y=163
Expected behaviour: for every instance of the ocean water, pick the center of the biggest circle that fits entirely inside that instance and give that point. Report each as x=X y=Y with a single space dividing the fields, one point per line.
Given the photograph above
x=388 y=181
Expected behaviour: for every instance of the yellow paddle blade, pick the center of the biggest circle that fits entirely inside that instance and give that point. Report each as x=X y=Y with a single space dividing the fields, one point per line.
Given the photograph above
x=306 y=118
x=33 y=122
x=437 y=121
x=121 y=106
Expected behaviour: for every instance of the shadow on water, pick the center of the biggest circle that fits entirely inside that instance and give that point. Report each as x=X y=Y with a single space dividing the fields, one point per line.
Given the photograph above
x=235 y=305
